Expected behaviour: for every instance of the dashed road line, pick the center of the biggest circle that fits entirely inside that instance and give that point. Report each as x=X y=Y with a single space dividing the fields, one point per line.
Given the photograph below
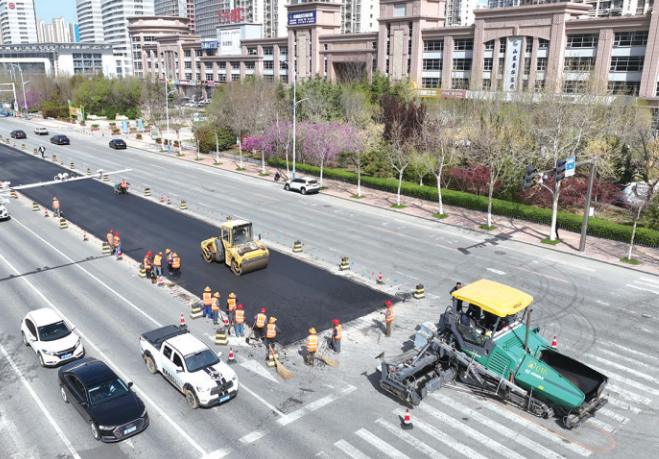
x=350 y=450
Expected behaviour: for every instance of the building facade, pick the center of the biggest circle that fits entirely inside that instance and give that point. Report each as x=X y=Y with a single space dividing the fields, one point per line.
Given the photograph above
x=181 y=8
x=59 y=58
x=74 y=32
x=90 y=20
x=17 y=22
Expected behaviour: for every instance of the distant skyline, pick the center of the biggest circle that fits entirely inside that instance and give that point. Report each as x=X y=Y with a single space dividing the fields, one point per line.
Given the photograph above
x=49 y=9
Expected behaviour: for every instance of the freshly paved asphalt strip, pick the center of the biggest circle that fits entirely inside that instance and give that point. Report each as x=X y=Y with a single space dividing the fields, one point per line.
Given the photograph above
x=298 y=294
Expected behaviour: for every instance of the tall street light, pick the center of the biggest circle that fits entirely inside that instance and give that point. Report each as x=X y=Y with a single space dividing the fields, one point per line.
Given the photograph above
x=295 y=102
x=23 y=83
x=169 y=147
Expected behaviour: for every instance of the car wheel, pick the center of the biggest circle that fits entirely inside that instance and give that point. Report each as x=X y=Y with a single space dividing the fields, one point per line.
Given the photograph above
x=150 y=365
x=41 y=362
x=25 y=339
x=287 y=187
x=303 y=191
x=95 y=432
x=63 y=392
x=191 y=398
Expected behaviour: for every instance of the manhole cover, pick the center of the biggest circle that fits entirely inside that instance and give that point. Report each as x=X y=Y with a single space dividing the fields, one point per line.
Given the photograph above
x=498 y=252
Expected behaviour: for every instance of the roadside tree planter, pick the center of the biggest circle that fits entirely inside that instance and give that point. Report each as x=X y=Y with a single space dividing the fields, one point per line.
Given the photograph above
x=116 y=132
x=158 y=140
x=95 y=127
x=138 y=136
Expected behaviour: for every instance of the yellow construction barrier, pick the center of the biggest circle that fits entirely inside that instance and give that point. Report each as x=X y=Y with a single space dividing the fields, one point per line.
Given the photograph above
x=63 y=224
x=35 y=151
x=23 y=147
x=35 y=206
x=147 y=192
x=184 y=205
x=54 y=158
x=73 y=166
x=142 y=271
x=195 y=311
x=419 y=292
x=344 y=264
x=106 y=249
x=221 y=336
x=12 y=194
x=89 y=171
x=297 y=246
x=106 y=178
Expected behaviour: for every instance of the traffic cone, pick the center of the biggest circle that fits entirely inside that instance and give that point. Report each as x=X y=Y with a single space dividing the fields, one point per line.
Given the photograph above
x=46 y=213
x=168 y=201
x=162 y=199
x=84 y=236
x=182 y=320
x=380 y=279
x=553 y=343
x=407 y=422
x=231 y=356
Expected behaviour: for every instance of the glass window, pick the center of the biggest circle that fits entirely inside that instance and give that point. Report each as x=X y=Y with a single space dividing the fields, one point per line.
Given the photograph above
x=575 y=87
x=460 y=83
x=461 y=64
x=250 y=65
x=627 y=63
x=253 y=51
x=399 y=10
x=487 y=63
x=431 y=83
x=268 y=50
x=235 y=65
x=582 y=64
x=433 y=45
x=627 y=39
x=629 y=88
x=464 y=44
x=529 y=44
x=582 y=41
x=542 y=64
x=268 y=65
x=209 y=77
x=432 y=64
x=283 y=50
x=489 y=46
x=187 y=53
x=543 y=44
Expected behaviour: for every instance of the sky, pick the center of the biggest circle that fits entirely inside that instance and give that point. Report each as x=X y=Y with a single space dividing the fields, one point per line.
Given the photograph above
x=49 y=9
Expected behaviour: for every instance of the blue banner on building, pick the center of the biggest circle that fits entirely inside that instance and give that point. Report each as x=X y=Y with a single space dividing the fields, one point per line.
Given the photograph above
x=308 y=17
x=140 y=125
x=124 y=125
x=212 y=44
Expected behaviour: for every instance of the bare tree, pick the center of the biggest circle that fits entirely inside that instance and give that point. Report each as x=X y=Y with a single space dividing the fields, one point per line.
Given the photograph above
x=153 y=100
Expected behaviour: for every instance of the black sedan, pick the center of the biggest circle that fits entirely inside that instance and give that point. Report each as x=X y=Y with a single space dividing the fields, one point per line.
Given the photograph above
x=117 y=144
x=113 y=411
x=60 y=140
x=18 y=134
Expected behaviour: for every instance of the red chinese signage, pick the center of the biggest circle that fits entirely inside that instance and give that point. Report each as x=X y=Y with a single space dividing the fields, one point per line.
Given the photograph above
x=227 y=17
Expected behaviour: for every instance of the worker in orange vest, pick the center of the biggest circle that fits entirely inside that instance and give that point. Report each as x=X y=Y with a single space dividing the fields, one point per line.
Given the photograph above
x=259 y=324
x=117 y=245
x=176 y=266
x=270 y=335
x=147 y=264
x=55 y=208
x=215 y=307
x=312 y=346
x=388 y=317
x=240 y=321
x=336 y=336
x=111 y=241
x=157 y=264
x=170 y=258
x=207 y=298
x=231 y=308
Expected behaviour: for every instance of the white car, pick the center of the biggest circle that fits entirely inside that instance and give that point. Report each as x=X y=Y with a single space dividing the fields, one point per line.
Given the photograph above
x=50 y=337
x=4 y=214
x=303 y=184
x=41 y=131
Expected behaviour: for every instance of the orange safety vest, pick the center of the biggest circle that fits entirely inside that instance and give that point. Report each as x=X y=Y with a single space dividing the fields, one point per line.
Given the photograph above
x=147 y=263
x=312 y=343
x=271 y=332
x=240 y=316
x=231 y=304
x=260 y=320
x=176 y=263
x=208 y=298
x=110 y=236
x=338 y=332
x=215 y=305
x=156 y=260
x=389 y=315
x=55 y=205
x=117 y=241
x=170 y=258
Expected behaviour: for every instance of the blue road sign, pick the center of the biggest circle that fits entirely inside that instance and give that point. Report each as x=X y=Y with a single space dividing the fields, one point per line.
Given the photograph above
x=569 y=167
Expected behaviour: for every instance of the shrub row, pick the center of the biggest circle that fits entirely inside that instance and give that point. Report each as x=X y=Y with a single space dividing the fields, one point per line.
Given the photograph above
x=596 y=226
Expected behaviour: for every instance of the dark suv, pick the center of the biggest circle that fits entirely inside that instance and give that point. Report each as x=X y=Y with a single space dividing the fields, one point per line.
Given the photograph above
x=60 y=140
x=18 y=134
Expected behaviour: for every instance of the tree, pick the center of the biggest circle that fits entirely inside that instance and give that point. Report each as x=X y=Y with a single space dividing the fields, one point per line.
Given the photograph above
x=153 y=99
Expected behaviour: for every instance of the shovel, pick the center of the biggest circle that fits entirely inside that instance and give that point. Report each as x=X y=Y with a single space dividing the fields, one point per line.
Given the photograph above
x=281 y=371
x=250 y=334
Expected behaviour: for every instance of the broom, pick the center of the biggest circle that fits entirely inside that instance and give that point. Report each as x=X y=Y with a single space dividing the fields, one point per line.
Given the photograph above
x=250 y=334
x=281 y=371
x=330 y=362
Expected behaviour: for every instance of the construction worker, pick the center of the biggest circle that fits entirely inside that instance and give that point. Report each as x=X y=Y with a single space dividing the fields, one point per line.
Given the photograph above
x=176 y=266
x=388 y=317
x=337 y=334
x=259 y=324
x=215 y=307
x=312 y=346
x=55 y=207
x=271 y=334
x=207 y=298
x=111 y=241
x=458 y=304
x=170 y=257
x=147 y=264
x=124 y=185
x=117 y=245
x=157 y=264
x=240 y=321
x=231 y=308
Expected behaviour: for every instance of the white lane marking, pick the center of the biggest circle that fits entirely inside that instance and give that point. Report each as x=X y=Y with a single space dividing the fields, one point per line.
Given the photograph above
x=323 y=455
x=204 y=204
x=602 y=303
x=218 y=454
x=10 y=432
x=642 y=288
x=630 y=351
x=496 y=271
x=601 y=425
x=581 y=268
x=418 y=444
x=470 y=432
x=498 y=427
x=172 y=194
x=638 y=374
x=252 y=437
x=110 y=362
x=34 y=396
x=627 y=381
x=635 y=362
x=295 y=415
x=350 y=450
x=629 y=395
x=256 y=396
x=447 y=440
x=259 y=369
x=613 y=415
x=651 y=281
x=380 y=444
x=623 y=405
x=548 y=434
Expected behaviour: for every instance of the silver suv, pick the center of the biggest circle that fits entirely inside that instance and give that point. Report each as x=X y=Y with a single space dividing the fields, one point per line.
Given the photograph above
x=303 y=184
x=41 y=131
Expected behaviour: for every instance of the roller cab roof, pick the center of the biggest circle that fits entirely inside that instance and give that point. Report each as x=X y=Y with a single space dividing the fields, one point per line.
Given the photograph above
x=498 y=299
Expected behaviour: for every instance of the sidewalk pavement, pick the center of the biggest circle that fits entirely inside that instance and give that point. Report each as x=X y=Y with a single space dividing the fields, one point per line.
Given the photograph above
x=526 y=232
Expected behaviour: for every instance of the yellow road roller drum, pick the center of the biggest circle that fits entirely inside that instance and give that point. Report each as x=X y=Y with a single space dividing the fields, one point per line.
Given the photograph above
x=237 y=248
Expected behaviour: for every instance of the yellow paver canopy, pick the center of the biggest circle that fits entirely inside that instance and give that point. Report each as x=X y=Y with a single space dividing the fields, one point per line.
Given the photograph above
x=494 y=297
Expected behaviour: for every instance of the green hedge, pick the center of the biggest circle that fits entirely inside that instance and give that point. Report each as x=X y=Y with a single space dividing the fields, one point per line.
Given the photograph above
x=596 y=226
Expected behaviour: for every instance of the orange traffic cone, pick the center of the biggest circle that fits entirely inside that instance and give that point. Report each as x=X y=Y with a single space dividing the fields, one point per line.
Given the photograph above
x=162 y=198
x=553 y=343
x=168 y=200
x=84 y=236
x=231 y=356
x=46 y=214
x=182 y=320
x=407 y=422
x=380 y=279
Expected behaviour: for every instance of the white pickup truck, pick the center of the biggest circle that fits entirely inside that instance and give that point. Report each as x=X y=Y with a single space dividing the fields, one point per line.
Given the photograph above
x=189 y=365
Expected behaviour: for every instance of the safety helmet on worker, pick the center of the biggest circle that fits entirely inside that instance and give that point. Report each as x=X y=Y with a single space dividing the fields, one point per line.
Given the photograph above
x=387 y=303
x=335 y=321
x=167 y=251
x=232 y=295
x=262 y=309
x=240 y=306
x=207 y=289
x=217 y=294
x=312 y=331
x=272 y=320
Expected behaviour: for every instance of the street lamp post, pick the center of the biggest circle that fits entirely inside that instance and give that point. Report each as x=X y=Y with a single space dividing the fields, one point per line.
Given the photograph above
x=23 y=83
x=295 y=102
x=169 y=147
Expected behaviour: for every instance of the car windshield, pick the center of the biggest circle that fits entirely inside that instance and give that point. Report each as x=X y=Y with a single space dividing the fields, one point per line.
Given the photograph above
x=106 y=391
x=242 y=234
x=54 y=331
x=195 y=362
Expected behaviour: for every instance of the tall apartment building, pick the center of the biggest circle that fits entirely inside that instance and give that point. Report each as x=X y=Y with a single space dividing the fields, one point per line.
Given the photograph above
x=41 y=31
x=207 y=16
x=17 y=21
x=180 y=8
x=112 y=25
x=56 y=32
x=74 y=32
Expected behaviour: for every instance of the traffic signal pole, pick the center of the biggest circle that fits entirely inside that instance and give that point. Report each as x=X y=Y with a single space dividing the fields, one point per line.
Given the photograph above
x=586 y=214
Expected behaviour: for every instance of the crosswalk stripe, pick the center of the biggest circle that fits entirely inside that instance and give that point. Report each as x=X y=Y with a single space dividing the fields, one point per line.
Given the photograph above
x=522 y=421
x=635 y=362
x=350 y=450
x=473 y=433
x=651 y=281
x=418 y=444
x=642 y=288
x=447 y=440
x=630 y=351
x=628 y=394
x=625 y=406
x=638 y=374
x=252 y=437
x=218 y=454
x=498 y=427
x=295 y=415
x=601 y=425
x=380 y=444
x=613 y=415
x=627 y=381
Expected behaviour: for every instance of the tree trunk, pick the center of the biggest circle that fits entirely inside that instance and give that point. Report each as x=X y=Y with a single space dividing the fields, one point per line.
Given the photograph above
x=322 y=162
x=440 y=206
x=400 y=184
x=631 y=243
x=359 y=178
x=240 y=148
x=262 y=160
x=554 y=211
x=489 y=203
x=178 y=138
